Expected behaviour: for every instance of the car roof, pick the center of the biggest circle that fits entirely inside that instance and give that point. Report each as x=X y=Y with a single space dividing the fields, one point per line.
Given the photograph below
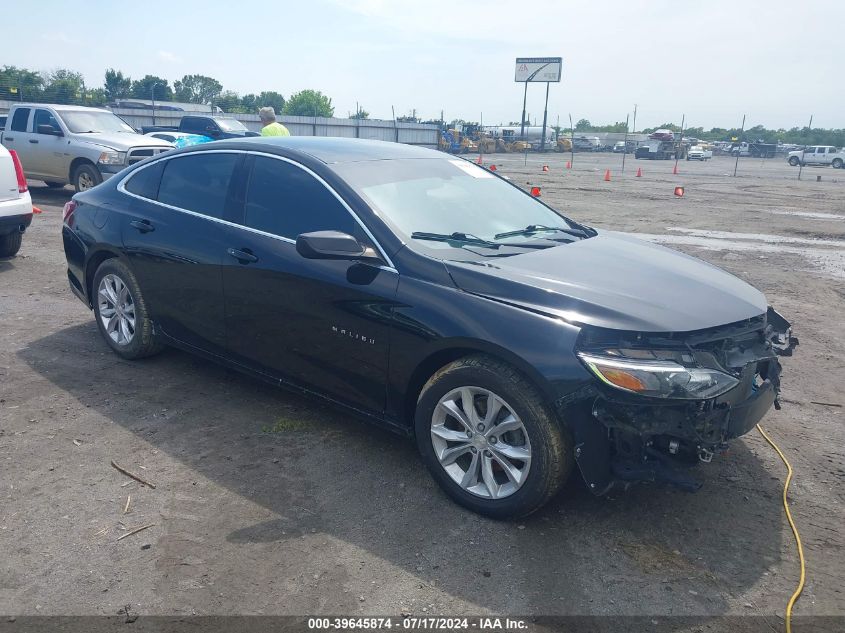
x=62 y=108
x=330 y=150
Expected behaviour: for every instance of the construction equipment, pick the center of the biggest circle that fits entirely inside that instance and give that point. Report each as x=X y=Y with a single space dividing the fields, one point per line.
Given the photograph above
x=454 y=142
x=563 y=144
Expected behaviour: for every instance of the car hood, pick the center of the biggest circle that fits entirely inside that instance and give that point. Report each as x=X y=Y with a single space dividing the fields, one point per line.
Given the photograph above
x=615 y=281
x=120 y=141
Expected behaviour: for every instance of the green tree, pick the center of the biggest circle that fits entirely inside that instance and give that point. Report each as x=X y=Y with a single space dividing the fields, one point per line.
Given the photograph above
x=64 y=86
x=20 y=84
x=583 y=125
x=196 y=89
x=229 y=101
x=116 y=85
x=143 y=88
x=361 y=114
x=309 y=103
x=249 y=103
x=272 y=99
x=96 y=97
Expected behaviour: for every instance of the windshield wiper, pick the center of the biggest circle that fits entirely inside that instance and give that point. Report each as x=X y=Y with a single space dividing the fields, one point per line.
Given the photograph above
x=464 y=238
x=541 y=228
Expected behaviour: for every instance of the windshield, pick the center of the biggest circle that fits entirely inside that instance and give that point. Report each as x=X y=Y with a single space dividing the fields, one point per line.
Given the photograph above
x=82 y=121
x=446 y=196
x=231 y=125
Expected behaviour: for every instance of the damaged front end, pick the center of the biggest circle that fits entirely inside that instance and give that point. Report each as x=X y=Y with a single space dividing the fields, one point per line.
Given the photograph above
x=662 y=402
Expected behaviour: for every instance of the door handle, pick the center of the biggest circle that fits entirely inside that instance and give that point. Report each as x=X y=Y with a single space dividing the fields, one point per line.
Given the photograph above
x=9 y=138
x=244 y=257
x=33 y=140
x=144 y=226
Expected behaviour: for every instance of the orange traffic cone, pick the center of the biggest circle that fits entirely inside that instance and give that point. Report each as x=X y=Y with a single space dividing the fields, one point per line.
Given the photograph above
x=535 y=191
x=545 y=168
x=36 y=209
x=675 y=169
x=679 y=192
x=639 y=172
x=492 y=168
x=607 y=175
x=568 y=165
x=480 y=160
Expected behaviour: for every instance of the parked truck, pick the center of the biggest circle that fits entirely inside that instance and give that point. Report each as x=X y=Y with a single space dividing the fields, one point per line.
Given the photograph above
x=62 y=144
x=214 y=127
x=755 y=150
x=661 y=150
x=818 y=155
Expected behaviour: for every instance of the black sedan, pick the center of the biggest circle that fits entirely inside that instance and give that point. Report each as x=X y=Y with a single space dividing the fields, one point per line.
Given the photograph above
x=436 y=299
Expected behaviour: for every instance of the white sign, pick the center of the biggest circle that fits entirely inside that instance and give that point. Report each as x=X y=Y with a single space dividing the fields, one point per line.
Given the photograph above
x=538 y=68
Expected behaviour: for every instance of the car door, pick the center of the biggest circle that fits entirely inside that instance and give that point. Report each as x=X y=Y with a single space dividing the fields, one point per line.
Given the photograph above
x=173 y=236
x=321 y=324
x=18 y=137
x=810 y=155
x=50 y=159
x=826 y=155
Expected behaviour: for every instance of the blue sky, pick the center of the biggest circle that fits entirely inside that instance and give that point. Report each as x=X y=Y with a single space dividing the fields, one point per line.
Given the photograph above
x=777 y=61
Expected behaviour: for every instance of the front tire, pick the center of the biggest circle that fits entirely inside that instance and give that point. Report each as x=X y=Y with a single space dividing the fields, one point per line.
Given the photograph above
x=121 y=312
x=10 y=244
x=793 y=161
x=489 y=440
x=86 y=177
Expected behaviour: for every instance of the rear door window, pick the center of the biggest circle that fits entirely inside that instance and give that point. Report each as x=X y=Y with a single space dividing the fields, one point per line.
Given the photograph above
x=198 y=182
x=19 y=120
x=144 y=182
x=285 y=200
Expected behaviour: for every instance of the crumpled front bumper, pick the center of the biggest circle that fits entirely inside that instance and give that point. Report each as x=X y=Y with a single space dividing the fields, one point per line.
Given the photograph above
x=624 y=438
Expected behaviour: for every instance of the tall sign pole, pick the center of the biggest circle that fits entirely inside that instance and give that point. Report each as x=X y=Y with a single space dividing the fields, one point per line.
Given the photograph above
x=625 y=149
x=522 y=121
x=545 y=117
x=739 y=149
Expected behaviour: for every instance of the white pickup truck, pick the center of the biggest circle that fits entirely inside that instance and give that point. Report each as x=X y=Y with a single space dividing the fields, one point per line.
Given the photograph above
x=818 y=155
x=71 y=144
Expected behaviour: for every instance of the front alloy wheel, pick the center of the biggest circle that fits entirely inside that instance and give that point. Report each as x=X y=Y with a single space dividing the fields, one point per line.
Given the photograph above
x=116 y=308
x=480 y=442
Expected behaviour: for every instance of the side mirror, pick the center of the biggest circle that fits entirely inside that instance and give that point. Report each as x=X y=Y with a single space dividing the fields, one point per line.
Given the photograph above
x=49 y=130
x=329 y=245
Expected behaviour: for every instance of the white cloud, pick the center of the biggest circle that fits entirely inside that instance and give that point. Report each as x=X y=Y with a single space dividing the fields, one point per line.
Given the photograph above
x=167 y=56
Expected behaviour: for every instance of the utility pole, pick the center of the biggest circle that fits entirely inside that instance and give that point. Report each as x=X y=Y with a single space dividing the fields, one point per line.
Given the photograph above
x=571 y=142
x=739 y=149
x=634 y=126
x=681 y=144
x=801 y=164
x=625 y=149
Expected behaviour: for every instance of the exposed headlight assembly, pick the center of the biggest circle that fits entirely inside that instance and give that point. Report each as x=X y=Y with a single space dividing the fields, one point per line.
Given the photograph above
x=112 y=158
x=658 y=378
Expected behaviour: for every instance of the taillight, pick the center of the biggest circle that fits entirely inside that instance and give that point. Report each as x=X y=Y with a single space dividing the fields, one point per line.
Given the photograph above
x=69 y=208
x=22 y=187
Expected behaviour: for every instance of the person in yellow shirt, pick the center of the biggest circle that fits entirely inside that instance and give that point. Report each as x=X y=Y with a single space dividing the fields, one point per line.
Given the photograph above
x=271 y=126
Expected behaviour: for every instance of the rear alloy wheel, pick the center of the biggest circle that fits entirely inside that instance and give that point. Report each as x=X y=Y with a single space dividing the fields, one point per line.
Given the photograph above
x=121 y=313
x=85 y=177
x=837 y=163
x=10 y=243
x=489 y=440
x=793 y=160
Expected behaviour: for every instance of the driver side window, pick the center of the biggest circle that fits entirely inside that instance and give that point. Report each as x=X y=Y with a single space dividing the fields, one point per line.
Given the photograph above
x=287 y=201
x=44 y=117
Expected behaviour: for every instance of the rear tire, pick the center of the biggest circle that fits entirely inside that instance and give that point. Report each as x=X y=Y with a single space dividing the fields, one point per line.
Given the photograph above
x=121 y=312
x=837 y=163
x=532 y=430
x=85 y=177
x=10 y=244
x=54 y=185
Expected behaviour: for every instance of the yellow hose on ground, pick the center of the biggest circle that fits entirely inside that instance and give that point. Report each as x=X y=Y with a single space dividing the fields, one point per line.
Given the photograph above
x=800 y=587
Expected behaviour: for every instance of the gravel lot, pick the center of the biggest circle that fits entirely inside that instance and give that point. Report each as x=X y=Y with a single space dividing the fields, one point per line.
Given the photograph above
x=267 y=503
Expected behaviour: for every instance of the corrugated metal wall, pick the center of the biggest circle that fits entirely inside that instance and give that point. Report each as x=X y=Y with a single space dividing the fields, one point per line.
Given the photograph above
x=411 y=133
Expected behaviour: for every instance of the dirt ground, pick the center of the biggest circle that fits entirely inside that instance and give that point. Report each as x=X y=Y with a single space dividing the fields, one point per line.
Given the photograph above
x=267 y=503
